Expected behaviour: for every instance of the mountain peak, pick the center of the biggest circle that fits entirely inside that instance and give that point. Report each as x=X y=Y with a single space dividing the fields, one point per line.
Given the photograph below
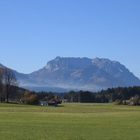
x=103 y=60
x=58 y=58
x=68 y=63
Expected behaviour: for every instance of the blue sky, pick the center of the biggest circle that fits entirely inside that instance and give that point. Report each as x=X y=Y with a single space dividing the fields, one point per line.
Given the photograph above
x=33 y=32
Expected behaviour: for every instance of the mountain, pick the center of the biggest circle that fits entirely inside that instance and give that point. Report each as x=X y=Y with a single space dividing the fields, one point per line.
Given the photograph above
x=68 y=73
x=80 y=74
x=19 y=76
x=2 y=66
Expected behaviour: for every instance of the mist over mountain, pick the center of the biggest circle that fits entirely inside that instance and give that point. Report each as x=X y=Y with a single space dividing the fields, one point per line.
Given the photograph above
x=68 y=73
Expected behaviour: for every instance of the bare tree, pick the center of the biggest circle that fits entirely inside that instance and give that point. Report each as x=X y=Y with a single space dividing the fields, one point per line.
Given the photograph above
x=9 y=80
x=1 y=76
x=1 y=85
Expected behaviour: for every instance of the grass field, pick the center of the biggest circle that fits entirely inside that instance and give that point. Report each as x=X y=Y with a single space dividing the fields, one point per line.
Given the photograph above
x=69 y=122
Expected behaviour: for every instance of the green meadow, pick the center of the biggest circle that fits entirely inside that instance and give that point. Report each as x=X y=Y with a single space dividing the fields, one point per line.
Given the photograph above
x=69 y=122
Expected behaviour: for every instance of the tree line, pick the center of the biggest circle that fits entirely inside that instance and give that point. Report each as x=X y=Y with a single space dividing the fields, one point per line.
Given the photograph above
x=119 y=94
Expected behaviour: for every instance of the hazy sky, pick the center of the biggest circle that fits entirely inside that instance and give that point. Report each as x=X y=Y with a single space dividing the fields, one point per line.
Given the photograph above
x=34 y=31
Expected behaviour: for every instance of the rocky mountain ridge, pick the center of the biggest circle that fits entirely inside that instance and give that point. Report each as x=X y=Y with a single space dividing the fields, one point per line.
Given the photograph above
x=71 y=73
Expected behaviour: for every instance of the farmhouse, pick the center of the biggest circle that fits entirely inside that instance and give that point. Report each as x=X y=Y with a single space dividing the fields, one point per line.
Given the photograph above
x=50 y=103
x=43 y=103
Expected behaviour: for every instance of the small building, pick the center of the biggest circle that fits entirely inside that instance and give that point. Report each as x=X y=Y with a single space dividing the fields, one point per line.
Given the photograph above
x=43 y=103
x=50 y=103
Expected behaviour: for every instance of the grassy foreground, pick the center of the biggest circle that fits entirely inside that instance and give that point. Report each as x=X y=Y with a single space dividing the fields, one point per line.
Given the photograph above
x=69 y=122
